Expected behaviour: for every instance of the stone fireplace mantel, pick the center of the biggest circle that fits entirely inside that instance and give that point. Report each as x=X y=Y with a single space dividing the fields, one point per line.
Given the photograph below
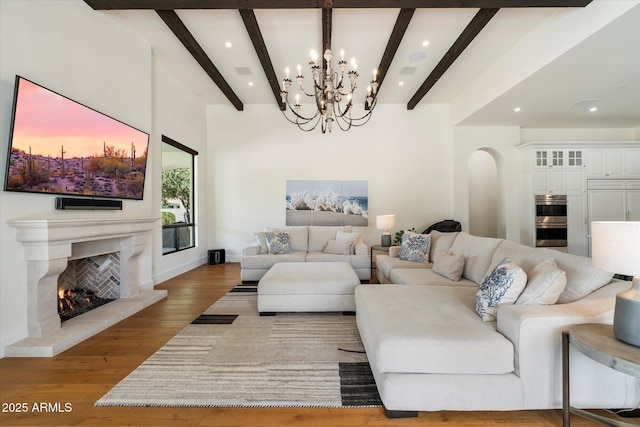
x=48 y=246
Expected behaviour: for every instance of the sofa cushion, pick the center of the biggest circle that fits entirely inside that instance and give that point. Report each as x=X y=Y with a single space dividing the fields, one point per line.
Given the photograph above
x=352 y=237
x=267 y=261
x=339 y=247
x=386 y=264
x=526 y=257
x=429 y=329
x=415 y=247
x=425 y=276
x=261 y=242
x=320 y=235
x=502 y=285
x=441 y=242
x=298 y=236
x=545 y=283
x=477 y=252
x=278 y=242
x=449 y=265
x=356 y=261
x=582 y=277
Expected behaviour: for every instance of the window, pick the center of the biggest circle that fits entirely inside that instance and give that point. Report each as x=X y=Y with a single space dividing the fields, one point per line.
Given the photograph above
x=178 y=204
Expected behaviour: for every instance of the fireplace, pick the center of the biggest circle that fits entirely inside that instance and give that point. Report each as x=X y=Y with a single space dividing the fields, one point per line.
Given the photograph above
x=50 y=247
x=88 y=283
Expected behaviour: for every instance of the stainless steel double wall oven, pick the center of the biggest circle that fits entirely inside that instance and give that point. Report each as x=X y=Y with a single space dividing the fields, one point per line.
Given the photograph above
x=551 y=220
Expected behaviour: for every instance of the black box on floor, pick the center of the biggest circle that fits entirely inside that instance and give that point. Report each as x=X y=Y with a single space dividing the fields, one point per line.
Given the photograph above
x=216 y=256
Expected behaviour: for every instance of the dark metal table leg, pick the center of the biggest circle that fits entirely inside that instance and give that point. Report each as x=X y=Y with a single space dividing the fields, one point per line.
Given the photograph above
x=566 y=410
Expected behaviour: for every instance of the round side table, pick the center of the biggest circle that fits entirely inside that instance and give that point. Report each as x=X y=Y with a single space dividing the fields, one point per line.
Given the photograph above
x=596 y=341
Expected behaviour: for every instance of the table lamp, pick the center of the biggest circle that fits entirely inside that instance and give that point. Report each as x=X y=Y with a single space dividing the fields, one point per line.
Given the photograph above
x=615 y=246
x=386 y=223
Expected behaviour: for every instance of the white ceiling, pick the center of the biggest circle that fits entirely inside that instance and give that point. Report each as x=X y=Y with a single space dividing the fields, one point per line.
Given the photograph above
x=604 y=67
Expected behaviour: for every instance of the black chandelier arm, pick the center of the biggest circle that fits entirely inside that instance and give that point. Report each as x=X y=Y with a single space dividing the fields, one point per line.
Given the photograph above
x=301 y=121
x=304 y=122
x=341 y=113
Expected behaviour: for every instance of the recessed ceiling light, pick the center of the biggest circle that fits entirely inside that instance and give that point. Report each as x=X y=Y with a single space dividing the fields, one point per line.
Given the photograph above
x=250 y=83
x=517 y=109
x=425 y=43
x=593 y=109
x=401 y=83
x=228 y=44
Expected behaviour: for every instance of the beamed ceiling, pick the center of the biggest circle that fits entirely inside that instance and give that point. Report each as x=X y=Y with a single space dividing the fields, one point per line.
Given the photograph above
x=464 y=38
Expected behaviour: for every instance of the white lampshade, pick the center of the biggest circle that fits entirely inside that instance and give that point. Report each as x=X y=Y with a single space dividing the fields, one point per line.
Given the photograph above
x=615 y=246
x=385 y=222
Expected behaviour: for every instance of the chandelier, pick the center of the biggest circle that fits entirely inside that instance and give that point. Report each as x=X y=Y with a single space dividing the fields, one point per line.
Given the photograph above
x=332 y=94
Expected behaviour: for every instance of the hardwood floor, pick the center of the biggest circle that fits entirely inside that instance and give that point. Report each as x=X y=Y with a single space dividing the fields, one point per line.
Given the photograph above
x=69 y=384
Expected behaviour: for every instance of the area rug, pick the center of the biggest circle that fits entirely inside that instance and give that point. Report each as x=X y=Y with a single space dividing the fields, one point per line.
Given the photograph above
x=232 y=357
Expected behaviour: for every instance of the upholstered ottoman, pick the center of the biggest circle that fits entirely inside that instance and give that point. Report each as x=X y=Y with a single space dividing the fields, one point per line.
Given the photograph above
x=307 y=286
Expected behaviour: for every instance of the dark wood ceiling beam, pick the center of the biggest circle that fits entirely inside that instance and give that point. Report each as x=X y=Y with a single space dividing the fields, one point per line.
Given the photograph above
x=337 y=4
x=402 y=23
x=470 y=32
x=253 y=29
x=327 y=23
x=176 y=25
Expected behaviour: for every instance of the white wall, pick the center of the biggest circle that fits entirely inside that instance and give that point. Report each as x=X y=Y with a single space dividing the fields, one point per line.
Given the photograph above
x=500 y=142
x=179 y=115
x=404 y=155
x=610 y=134
x=483 y=197
x=92 y=58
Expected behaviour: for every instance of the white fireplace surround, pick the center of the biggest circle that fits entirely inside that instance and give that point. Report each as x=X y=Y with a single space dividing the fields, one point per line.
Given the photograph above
x=48 y=246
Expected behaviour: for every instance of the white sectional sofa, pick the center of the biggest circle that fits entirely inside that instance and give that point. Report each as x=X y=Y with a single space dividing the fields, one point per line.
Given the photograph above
x=308 y=244
x=429 y=350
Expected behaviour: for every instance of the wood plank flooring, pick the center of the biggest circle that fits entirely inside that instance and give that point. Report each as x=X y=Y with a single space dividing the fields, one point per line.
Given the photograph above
x=69 y=384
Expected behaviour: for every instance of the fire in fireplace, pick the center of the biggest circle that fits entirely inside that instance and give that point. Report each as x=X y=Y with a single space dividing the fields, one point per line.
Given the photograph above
x=88 y=283
x=74 y=302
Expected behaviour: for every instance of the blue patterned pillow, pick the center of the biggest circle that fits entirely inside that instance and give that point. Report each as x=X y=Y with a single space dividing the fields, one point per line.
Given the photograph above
x=277 y=242
x=503 y=285
x=415 y=247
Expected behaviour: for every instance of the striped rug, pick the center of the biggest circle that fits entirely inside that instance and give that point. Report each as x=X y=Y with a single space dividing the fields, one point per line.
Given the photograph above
x=231 y=357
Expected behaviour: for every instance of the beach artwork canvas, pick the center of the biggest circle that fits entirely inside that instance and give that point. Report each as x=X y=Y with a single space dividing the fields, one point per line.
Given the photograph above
x=327 y=203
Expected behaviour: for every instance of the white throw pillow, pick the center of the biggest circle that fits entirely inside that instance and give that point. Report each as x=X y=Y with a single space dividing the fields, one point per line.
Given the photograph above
x=262 y=242
x=450 y=266
x=338 y=247
x=278 y=242
x=503 y=285
x=546 y=283
x=415 y=247
x=352 y=237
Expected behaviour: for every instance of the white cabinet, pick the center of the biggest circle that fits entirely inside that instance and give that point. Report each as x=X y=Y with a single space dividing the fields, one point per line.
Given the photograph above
x=576 y=225
x=558 y=171
x=549 y=181
x=613 y=163
x=613 y=200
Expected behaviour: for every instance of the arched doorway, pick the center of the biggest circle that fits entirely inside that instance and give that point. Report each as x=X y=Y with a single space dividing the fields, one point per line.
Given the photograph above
x=483 y=194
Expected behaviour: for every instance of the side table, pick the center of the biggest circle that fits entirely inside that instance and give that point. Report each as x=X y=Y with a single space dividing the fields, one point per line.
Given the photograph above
x=596 y=341
x=377 y=248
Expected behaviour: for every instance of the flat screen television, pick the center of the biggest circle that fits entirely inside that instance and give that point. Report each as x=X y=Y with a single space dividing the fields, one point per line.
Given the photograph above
x=59 y=146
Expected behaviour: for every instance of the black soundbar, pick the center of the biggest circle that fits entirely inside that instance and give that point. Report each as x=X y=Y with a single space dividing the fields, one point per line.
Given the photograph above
x=88 y=204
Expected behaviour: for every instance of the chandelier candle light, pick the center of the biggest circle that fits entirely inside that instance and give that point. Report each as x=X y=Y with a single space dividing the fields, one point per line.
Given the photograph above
x=332 y=93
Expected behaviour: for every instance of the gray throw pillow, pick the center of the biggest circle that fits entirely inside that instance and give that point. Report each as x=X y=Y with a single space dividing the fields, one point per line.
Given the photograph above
x=415 y=247
x=277 y=242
